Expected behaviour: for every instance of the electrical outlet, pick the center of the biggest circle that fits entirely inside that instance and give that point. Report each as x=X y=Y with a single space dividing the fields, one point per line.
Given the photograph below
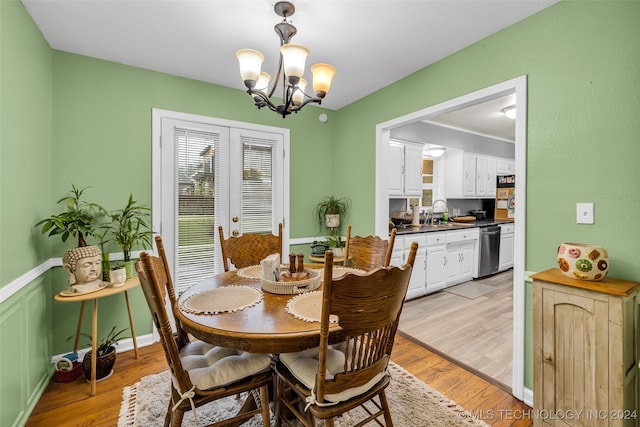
x=584 y=213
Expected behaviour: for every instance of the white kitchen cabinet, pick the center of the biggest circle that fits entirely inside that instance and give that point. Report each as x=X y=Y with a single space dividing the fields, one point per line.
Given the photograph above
x=399 y=256
x=396 y=169
x=459 y=262
x=491 y=175
x=436 y=268
x=506 y=247
x=481 y=175
x=405 y=169
x=461 y=258
x=505 y=166
x=444 y=258
x=469 y=175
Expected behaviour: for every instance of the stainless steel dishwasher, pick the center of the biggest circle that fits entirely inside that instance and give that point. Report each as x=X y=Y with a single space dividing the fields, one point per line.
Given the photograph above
x=489 y=253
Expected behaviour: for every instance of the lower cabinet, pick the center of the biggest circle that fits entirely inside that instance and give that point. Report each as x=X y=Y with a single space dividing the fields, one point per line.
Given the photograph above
x=506 y=247
x=444 y=258
x=585 y=351
x=459 y=260
x=401 y=248
x=436 y=261
x=462 y=255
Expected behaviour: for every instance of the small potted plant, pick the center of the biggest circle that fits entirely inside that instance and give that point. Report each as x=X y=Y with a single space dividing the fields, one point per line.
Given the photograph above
x=336 y=245
x=106 y=354
x=130 y=226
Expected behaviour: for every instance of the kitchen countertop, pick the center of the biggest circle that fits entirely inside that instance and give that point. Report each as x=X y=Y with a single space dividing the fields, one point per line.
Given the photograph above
x=450 y=226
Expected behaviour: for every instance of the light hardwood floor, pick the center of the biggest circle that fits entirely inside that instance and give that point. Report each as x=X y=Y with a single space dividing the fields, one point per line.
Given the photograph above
x=69 y=404
x=475 y=333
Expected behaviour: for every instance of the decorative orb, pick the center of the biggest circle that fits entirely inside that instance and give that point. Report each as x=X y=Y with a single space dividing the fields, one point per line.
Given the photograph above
x=583 y=261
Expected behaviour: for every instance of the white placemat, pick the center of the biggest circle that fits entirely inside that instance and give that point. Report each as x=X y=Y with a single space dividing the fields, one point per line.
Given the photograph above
x=307 y=307
x=222 y=300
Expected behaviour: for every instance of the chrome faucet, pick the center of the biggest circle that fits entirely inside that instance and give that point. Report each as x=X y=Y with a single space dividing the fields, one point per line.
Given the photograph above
x=433 y=205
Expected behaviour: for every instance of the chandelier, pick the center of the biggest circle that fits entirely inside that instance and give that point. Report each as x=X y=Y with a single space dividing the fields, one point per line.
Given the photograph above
x=290 y=66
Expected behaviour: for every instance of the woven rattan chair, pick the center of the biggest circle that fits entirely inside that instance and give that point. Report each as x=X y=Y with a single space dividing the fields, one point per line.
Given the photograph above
x=369 y=252
x=324 y=382
x=249 y=249
x=202 y=373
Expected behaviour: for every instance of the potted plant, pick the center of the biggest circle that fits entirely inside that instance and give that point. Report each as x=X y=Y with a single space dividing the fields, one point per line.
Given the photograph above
x=336 y=244
x=106 y=354
x=79 y=221
x=327 y=213
x=130 y=226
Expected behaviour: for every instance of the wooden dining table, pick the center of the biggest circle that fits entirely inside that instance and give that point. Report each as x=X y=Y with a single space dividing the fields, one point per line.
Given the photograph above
x=265 y=327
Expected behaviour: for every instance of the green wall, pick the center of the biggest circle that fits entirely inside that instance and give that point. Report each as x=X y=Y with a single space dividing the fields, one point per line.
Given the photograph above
x=582 y=62
x=25 y=188
x=66 y=118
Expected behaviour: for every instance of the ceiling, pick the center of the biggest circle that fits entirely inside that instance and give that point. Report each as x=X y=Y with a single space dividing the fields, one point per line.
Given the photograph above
x=371 y=43
x=485 y=119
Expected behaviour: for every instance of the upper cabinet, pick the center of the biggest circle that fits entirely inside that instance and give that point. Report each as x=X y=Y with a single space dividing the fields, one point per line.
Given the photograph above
x=505 y=166
x=405 y=169
x=469 y=175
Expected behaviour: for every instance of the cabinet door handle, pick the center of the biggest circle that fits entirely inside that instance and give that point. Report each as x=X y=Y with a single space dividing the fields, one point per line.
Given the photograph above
x=445 y=260
x=547 y=358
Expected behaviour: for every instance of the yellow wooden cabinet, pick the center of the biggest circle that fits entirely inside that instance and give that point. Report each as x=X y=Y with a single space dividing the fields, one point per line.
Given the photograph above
x=585 y=351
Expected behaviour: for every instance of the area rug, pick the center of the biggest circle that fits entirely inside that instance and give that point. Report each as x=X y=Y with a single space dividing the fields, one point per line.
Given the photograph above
x=412 y=402
x=471 y=290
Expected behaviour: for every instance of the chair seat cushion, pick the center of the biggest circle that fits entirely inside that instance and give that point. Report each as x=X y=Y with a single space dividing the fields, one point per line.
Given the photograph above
x=210 y=366
x=304 y=365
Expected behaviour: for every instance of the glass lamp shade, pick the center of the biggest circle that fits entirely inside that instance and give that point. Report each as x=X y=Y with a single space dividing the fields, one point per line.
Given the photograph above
x=322 y=75
x=294 y=57
x=298 y=95
x=250 y=64
x=263 y=83
x=435 y=152
x=510 y=112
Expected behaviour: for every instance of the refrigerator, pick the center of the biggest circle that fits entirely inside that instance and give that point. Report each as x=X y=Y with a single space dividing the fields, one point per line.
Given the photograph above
x=505 y=197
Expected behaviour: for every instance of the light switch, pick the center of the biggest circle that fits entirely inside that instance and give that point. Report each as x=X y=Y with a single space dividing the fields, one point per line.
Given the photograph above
x=584 y=213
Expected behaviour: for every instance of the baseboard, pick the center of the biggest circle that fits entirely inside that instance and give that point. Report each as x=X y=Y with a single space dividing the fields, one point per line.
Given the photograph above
x=123 y=345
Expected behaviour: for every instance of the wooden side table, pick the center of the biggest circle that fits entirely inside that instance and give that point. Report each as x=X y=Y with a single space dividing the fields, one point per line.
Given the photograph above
x=320 y=259
x=108 y=291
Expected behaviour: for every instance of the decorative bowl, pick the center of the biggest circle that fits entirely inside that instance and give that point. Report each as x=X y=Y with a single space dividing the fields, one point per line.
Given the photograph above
x=583 y=261
x=312 y=282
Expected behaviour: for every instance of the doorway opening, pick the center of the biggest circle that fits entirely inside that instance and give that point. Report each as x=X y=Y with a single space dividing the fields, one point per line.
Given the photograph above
x=517 y=86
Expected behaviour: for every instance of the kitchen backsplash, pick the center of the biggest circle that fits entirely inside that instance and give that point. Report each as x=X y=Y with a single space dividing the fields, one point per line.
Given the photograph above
x=457 y=207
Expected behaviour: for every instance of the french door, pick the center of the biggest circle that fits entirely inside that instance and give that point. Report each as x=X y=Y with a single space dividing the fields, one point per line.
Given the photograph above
x=209 y=173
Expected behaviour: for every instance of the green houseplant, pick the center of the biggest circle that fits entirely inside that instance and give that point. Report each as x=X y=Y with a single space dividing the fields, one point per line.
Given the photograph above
x=106 y=354
x=79 y=219
x=327 y=213
x=130 y=226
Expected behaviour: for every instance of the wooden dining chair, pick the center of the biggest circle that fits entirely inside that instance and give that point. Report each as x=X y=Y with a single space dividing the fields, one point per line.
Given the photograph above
x=324 y=382
x=180 y=334
x=202 y=373
x=369 y=252
x=250 y=248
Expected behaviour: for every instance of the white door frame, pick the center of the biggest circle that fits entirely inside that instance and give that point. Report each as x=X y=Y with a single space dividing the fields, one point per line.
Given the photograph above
x=156 y=170
x=518 y=86
x=156 y=166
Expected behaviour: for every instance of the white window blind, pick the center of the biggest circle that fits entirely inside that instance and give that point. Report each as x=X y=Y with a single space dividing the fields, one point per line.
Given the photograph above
x=195 y=163
x=257 y=186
